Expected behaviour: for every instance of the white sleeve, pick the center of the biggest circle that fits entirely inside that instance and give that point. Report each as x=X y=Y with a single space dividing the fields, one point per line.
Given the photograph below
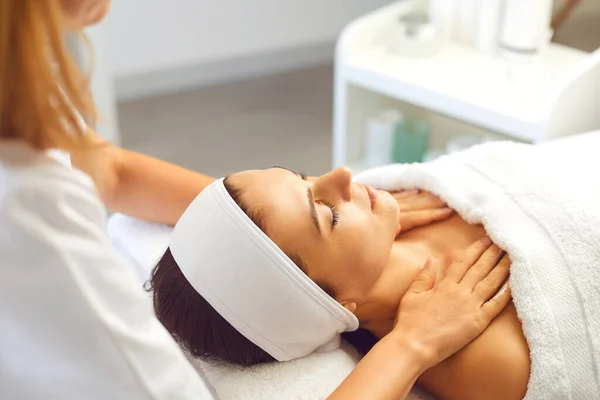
x=73 y=322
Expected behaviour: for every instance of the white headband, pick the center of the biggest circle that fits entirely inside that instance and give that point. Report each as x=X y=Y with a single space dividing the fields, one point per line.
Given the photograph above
x=250 y=281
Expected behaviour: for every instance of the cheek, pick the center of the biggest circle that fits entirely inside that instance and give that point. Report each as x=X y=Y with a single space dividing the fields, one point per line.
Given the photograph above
x=349 y=269
x=363 y=225
x=364 y=249
x=357 y=256
x=363 y=264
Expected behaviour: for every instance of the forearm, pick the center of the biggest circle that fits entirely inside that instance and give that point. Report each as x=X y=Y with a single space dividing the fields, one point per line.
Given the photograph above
x=138 y=185
x=154 y=190
x=387 y=372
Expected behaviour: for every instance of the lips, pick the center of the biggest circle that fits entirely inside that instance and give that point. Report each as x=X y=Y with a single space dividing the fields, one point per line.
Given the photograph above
x=372 y=195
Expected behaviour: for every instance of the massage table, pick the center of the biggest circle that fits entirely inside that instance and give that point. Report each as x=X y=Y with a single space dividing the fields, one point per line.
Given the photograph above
x=142 y=244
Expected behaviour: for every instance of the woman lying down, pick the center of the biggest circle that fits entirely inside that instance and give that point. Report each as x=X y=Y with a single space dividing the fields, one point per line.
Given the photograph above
x=540 y=204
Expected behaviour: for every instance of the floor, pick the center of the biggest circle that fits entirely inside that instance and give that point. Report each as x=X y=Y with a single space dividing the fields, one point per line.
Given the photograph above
x=281 y=119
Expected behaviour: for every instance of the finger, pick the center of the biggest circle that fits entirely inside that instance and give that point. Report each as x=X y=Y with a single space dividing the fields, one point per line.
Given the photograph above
x=483 y=266
x=425 y=280
x=402 y=194
x=413 y=219
x=459 y=267
x=488 y=287
x=496 y=304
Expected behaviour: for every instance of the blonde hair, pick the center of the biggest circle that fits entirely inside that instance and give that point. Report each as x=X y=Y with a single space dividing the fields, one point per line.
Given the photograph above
x=41 y=87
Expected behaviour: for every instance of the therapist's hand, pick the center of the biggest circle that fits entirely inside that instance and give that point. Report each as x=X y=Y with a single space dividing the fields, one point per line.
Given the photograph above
x=420 y=208
x=440 y=320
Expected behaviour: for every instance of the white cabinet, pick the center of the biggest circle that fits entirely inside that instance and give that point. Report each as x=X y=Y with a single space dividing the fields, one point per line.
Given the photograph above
x=555 y=96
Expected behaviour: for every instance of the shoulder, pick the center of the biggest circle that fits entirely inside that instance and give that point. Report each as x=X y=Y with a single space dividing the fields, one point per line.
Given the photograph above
x=494 y=366
x=44 y=185
x=44 y=206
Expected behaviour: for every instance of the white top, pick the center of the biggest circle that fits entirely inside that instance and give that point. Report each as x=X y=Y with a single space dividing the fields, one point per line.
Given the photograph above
x=74 y=323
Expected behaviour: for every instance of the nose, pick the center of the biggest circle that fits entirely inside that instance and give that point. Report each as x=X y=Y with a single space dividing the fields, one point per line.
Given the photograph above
x=336 y=183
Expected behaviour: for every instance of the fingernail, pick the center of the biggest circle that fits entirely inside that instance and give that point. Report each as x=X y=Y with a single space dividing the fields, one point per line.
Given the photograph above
x=486 y=241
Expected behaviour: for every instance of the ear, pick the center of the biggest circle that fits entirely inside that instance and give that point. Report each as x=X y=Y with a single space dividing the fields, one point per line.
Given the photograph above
x=349 y=305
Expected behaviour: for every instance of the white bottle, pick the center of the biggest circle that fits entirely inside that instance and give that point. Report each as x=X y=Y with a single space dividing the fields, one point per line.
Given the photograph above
x=441 y=15
x=465 y=21
x=489 y=13
x=379 y=143
x=523 y=27
x=546 y=31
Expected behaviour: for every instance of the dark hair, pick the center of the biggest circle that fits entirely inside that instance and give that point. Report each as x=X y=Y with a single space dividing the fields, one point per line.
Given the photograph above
x=199 y=328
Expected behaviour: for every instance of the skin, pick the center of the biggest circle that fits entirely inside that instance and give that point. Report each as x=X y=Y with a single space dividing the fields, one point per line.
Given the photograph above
x=434 y=320
x=371 y=268
x=82 y=13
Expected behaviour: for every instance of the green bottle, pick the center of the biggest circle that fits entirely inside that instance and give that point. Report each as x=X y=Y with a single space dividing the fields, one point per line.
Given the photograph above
x=411 y=141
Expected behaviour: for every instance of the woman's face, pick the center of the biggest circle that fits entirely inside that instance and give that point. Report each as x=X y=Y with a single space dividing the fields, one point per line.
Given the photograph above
x=343 y=231
x=81 y=13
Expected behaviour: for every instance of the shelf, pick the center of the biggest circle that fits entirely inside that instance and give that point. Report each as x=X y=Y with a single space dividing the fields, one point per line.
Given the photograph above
x=479 y=88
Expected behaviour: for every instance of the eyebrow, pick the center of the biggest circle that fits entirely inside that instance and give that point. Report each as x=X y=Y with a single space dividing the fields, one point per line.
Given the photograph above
x=311 y=200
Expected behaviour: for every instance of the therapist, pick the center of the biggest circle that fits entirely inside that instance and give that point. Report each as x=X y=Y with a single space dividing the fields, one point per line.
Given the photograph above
x=73 y=322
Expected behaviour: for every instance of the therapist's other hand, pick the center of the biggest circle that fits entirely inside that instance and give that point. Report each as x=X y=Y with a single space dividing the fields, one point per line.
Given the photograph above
x=420 y=208
x=440 y=319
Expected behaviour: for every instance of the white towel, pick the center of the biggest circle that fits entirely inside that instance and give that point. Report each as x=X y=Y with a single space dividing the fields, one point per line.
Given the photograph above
x=542 y=205
x=311 y=378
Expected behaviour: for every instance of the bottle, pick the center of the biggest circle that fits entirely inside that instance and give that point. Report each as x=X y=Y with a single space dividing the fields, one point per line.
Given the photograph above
x=524 y=27
x=488 y=24
x=441 y=15
x=411 y=140
x=465 y=22
x=379 y=141
x=414 y=35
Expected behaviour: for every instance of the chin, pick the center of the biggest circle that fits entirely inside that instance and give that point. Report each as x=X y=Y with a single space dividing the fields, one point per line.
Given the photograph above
x=96 y=14
x=390 y=210
x=390 y=204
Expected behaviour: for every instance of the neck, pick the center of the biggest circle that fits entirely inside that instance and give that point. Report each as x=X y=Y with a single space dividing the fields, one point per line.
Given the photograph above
x=409 y=253
x=406 y=261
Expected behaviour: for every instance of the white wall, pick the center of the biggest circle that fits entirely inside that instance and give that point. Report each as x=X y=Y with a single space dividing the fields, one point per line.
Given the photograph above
x=151 y=35
x=102 y=82
x=103 y=86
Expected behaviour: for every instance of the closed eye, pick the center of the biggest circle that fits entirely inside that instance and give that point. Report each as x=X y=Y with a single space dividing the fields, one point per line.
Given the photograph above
x=335 y=214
